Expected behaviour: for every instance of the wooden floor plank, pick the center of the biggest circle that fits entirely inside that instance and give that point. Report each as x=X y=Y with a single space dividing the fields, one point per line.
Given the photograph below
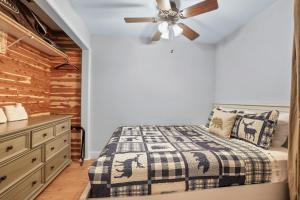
x=69 y=184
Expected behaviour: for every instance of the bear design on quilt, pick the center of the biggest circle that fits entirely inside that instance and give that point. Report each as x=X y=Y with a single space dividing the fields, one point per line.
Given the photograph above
x=202 y=161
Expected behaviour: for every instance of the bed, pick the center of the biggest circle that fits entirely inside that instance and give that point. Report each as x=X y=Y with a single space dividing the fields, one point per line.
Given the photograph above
x=139 y=161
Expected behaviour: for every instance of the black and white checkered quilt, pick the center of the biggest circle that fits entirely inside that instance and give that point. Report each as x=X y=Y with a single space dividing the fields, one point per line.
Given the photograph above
x=147 y=160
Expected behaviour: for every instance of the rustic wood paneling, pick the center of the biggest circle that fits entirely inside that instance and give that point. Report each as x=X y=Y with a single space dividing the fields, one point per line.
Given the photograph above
x=25 y=78
x=65 y=88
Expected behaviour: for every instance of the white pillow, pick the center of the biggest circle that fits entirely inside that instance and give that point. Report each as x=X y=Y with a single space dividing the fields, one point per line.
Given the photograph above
x=282 y=131
x=15 y=112
x=3 y=118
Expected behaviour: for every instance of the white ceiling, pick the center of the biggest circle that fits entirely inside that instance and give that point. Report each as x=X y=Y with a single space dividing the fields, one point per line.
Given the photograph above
x=105 y=17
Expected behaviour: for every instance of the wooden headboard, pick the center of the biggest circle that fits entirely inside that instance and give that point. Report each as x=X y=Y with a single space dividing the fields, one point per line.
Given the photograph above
x=285 y=109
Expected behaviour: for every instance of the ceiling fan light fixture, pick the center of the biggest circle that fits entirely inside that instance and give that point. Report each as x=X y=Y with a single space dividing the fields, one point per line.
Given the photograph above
x=169 y=31
x=163 y=27
x=169 y=17
x=165 y=36
x=177 y=30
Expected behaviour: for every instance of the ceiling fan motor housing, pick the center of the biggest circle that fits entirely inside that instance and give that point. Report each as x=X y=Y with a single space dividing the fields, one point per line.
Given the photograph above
x=169 y=15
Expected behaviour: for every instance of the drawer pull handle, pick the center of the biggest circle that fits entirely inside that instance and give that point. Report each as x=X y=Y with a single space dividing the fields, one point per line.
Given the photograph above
x=33 y=160
x=52 y=167
x=33 y=183
x=9 y=148
x=52 y=148
x=45 y=135
x=2 y=178
x=65 y=141
x=63 y=127
x=65 y=156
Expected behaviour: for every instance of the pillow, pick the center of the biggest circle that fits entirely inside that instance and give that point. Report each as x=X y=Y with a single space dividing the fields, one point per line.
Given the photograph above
x=212 y=113
x=257 y=128
x=3 y=118
x=221 y=123
x=282 y=130
x=15 y=112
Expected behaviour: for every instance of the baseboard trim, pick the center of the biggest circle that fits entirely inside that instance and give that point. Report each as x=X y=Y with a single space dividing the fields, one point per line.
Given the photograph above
x=93 y=155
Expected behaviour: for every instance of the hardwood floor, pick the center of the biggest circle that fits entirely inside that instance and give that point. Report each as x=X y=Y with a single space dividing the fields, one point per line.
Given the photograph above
x=69 y=184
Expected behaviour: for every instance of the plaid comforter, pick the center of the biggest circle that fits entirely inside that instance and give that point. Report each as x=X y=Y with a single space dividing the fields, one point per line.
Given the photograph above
x=146 y=160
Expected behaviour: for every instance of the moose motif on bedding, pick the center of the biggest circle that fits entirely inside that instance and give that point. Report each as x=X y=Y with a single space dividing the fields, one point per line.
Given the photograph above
x=203 y=161
x=153 y=164
x=128 y=166
x=249 y=132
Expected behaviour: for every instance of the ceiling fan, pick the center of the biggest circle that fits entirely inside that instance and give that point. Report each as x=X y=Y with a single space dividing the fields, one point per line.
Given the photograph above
x=169 y=17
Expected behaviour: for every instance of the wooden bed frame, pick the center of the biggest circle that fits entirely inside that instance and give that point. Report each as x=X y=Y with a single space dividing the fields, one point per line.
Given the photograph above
x=268 y=191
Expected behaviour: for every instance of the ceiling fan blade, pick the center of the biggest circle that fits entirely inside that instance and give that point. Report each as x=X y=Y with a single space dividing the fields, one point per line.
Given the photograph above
x=156 y=36
x=139 y=19
x=164 y=4
x=188 y=32
x=173 y=6
x=197 y=9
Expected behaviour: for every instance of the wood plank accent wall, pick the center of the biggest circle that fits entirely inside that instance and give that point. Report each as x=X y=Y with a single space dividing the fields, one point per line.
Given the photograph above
x=65 y=88
x=25 y=78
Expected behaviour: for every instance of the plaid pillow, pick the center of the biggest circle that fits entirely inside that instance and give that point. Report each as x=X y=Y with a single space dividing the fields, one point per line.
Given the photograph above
x=212 y=114
x=256 y=128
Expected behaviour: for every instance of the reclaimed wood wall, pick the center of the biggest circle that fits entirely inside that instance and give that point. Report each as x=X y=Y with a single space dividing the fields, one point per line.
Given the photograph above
x=25 y=77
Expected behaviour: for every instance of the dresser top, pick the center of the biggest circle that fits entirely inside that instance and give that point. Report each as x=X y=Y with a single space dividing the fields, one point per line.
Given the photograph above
x=33 y=122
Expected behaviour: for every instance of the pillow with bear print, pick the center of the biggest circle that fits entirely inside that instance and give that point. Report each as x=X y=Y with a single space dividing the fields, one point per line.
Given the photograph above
x=221 y=123
x=257 y=129
x=219 y=109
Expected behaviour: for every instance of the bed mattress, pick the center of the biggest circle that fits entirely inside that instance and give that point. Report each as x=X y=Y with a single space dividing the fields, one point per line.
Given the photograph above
x=145 y=160
x=278 y=158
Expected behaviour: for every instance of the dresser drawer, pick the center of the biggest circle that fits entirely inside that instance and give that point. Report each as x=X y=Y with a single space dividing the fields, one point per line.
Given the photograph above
x=13 y=146
x=40 y=136
x=26 y=188
x=62 y=127
x=17 y=169
x=57 y=145
x=55 y=164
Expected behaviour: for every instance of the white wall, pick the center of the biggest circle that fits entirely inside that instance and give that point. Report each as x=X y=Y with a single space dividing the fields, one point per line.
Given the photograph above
x=253 y=65
x=136 y=84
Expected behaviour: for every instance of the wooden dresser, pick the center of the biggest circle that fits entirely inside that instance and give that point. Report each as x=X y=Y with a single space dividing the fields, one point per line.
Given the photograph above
x=32 y=153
